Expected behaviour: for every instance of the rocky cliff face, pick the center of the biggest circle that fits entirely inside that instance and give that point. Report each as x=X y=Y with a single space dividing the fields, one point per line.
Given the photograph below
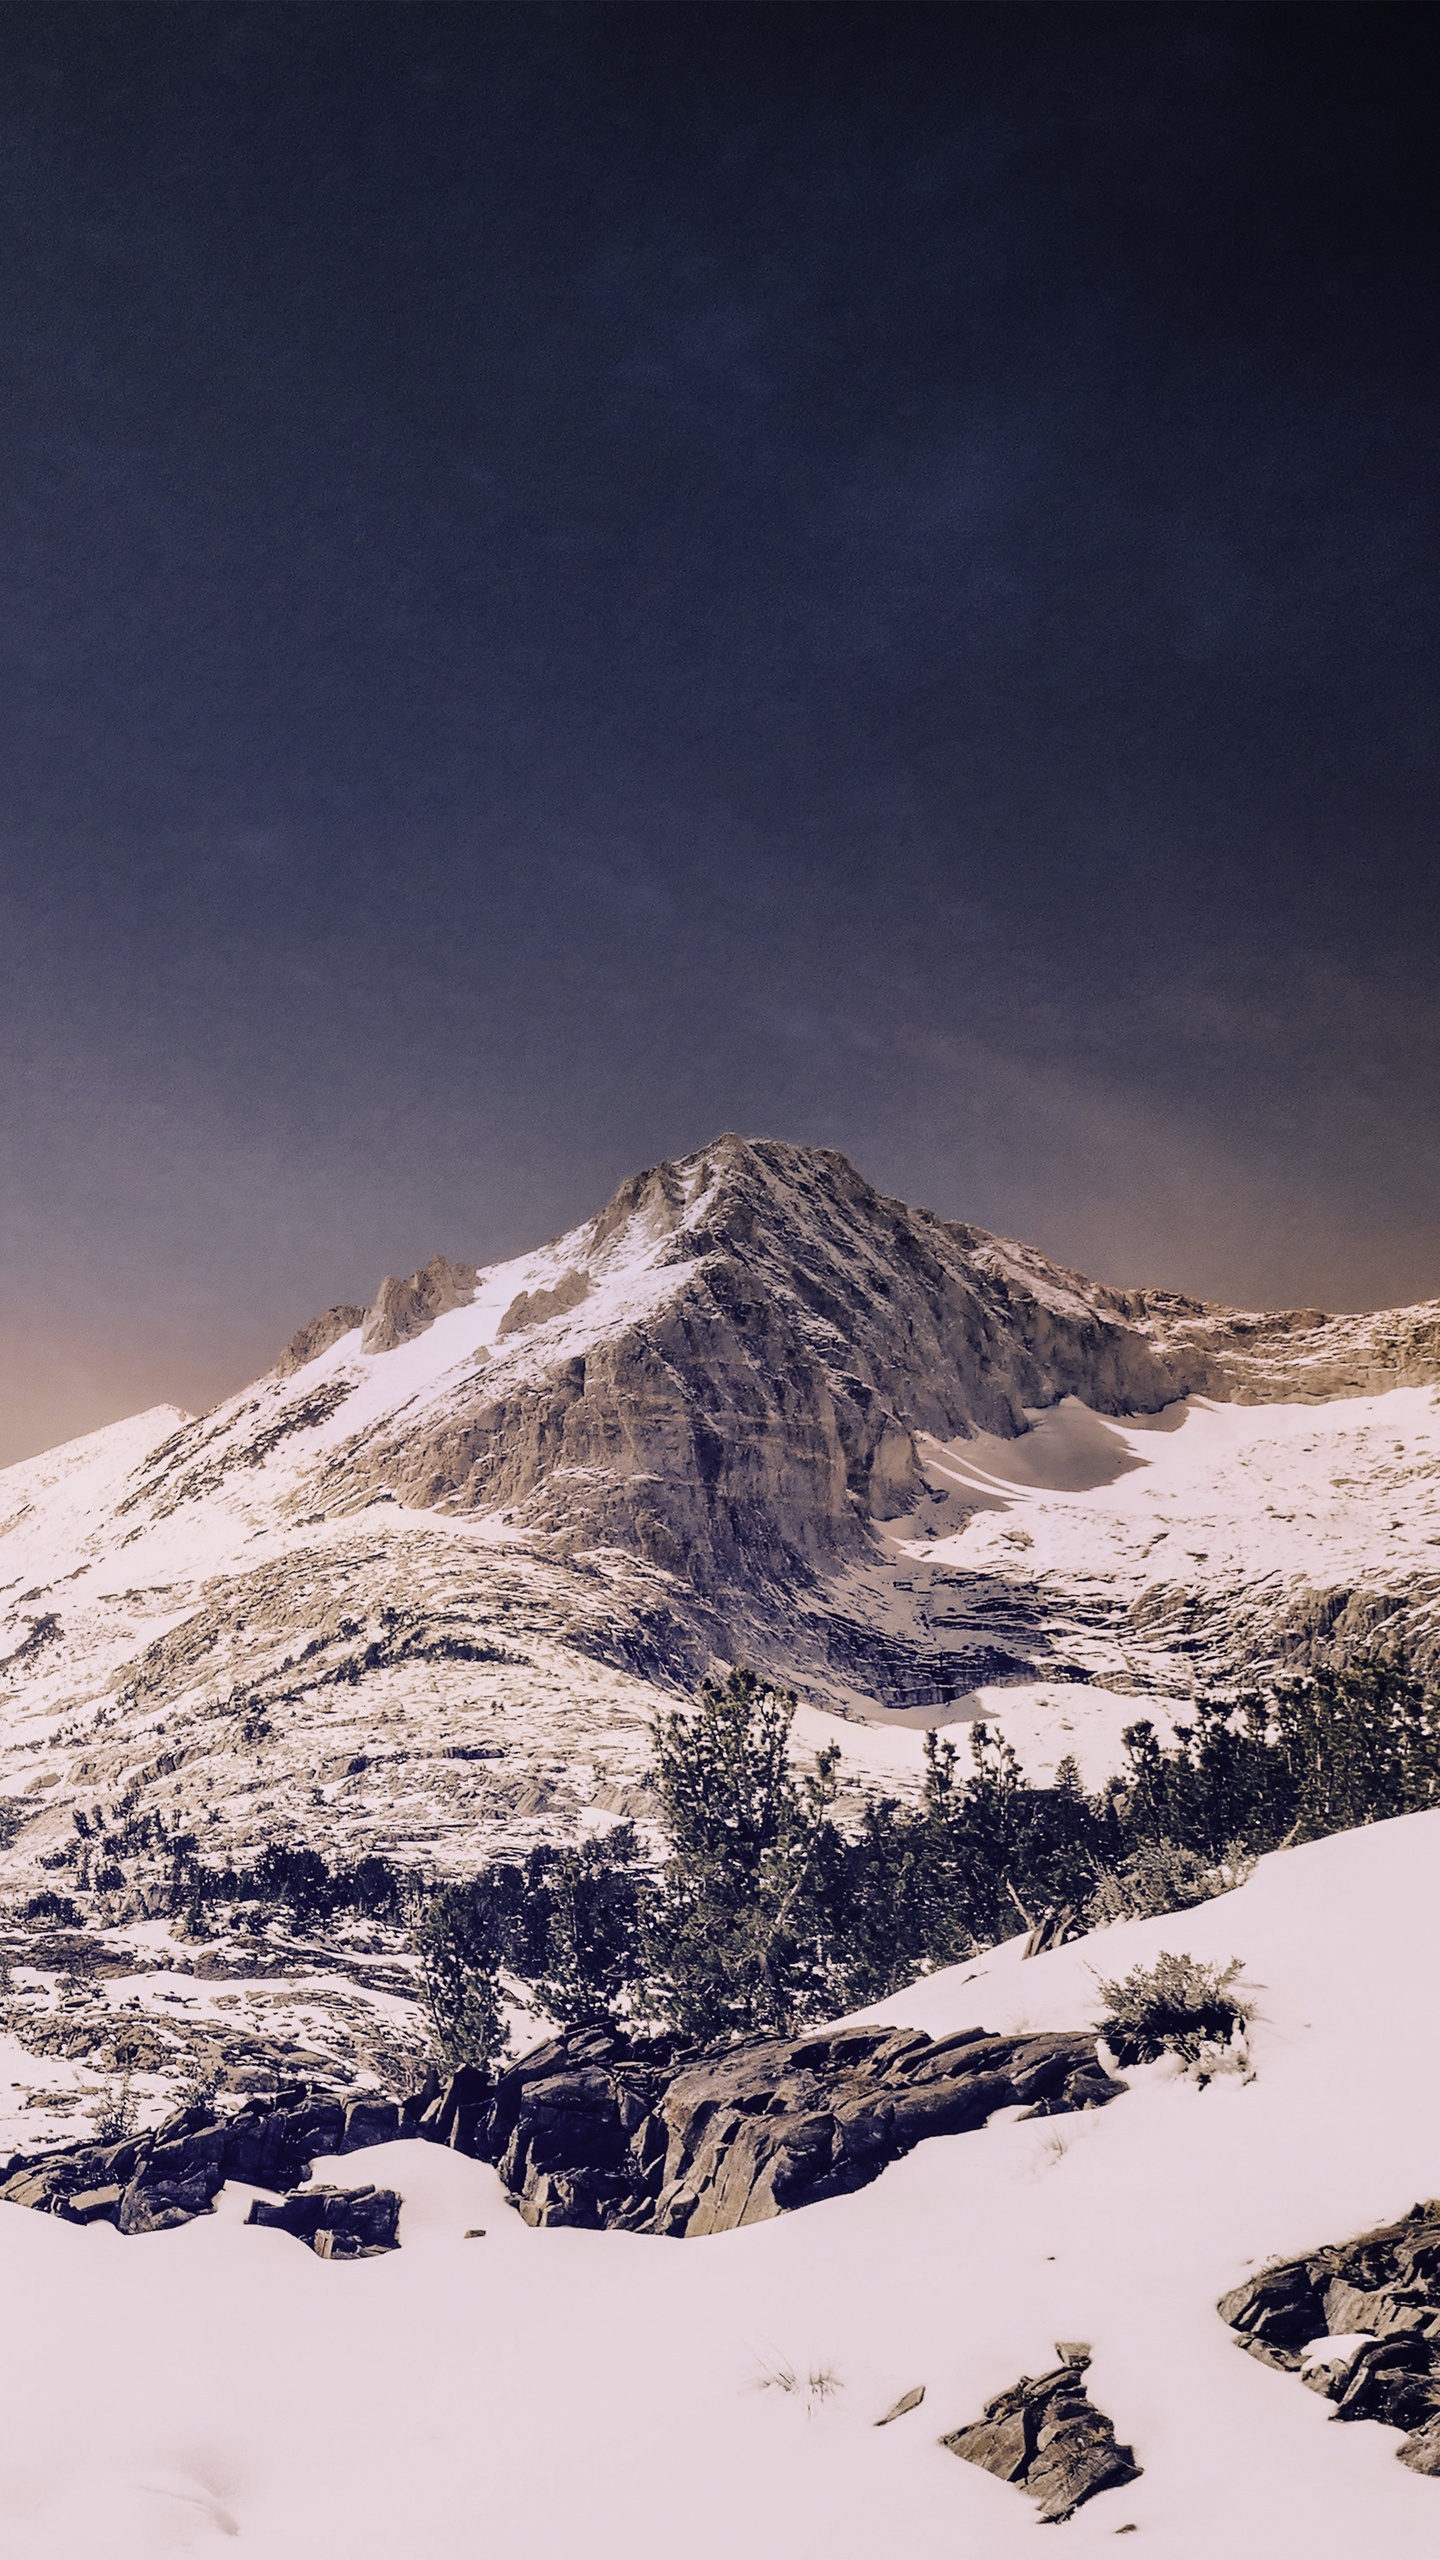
x=800 y=1336
x=763 y=1408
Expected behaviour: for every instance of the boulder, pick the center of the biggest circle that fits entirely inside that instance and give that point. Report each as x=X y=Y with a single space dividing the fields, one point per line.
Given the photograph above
x=336 y=2222
x=162 y=2204
x=1281 y=2306
x=1391 y=2380
x=92 y=2204
x=1421 y=2451
x=1049 y=2438
x=1380 y=2293
x=368 y=2121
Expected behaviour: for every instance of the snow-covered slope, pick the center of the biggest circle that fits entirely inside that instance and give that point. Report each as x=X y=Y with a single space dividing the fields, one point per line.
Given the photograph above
x=219 y=2388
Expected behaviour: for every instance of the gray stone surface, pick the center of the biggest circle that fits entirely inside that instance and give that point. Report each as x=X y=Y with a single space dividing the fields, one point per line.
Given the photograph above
x=1047 y=2436
x=336 y=2222
x=1386 y=2283
x=317 y=1336
x=594 y=2130
x=404 y=1308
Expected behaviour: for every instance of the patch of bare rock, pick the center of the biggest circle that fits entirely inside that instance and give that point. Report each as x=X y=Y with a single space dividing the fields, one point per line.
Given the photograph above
x=600 y=2131
x=318 y=1335
x=1378 y=2299
x=1049 y=2438
x=156 y=2181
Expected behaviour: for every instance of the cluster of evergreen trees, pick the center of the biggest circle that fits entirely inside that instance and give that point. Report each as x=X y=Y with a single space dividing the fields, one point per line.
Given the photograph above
x=765 y=1911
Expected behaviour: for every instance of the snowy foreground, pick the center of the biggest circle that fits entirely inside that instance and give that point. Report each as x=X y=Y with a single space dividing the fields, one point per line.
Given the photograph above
x=556 y=2392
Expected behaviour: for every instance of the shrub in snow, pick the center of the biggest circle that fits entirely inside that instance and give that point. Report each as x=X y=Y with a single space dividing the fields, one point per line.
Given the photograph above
x=1177 y=2006
x=116 y=2116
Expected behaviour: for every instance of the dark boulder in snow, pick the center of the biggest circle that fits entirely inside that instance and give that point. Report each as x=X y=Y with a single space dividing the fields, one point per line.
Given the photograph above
x=1380 y=2295
x=1051 y=2440
x=1282 y=2307
x=155 y=2181
x=336 y=2222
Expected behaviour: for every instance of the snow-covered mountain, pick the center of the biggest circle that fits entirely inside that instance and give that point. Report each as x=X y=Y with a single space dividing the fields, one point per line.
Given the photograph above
x=416 y=1587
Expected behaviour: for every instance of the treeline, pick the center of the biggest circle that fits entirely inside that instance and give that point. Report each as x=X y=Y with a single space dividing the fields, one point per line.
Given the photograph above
x=765 y=1911
x=763 y=1908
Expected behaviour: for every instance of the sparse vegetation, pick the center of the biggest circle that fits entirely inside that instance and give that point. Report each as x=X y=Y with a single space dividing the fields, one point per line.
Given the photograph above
x=1160 y=1876
x=1194 y=2011
x=115 y=2114
x=764 y=1912
x=765 y=1907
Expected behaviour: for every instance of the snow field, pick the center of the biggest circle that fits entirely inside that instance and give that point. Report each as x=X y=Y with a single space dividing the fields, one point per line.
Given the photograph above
x=1211 y=1495
x=220 y=2388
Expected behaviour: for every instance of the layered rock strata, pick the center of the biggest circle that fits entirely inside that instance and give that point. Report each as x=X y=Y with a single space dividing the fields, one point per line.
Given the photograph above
x=598 y=2131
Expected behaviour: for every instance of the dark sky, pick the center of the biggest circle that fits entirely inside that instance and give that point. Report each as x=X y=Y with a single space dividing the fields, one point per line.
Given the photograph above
x=574 y=577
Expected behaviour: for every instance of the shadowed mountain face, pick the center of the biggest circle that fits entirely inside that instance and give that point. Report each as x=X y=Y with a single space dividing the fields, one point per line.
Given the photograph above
x=415 y=1589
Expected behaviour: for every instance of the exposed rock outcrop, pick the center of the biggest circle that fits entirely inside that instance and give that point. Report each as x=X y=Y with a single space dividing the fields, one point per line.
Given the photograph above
x=404 y=1308
x=765 y=1407
x=537 y=1306
x=317 y=1336
x=1378 y=2298
x=596 y=2130
x=336 y=2222
x=1050 y=2439
x=156 y=2181
x=599 y=2130
x=748 y=1423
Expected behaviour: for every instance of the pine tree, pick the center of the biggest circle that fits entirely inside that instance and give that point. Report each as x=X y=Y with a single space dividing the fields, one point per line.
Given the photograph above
x=592 y=1937
x=459 y=1987
x=739 y=1933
